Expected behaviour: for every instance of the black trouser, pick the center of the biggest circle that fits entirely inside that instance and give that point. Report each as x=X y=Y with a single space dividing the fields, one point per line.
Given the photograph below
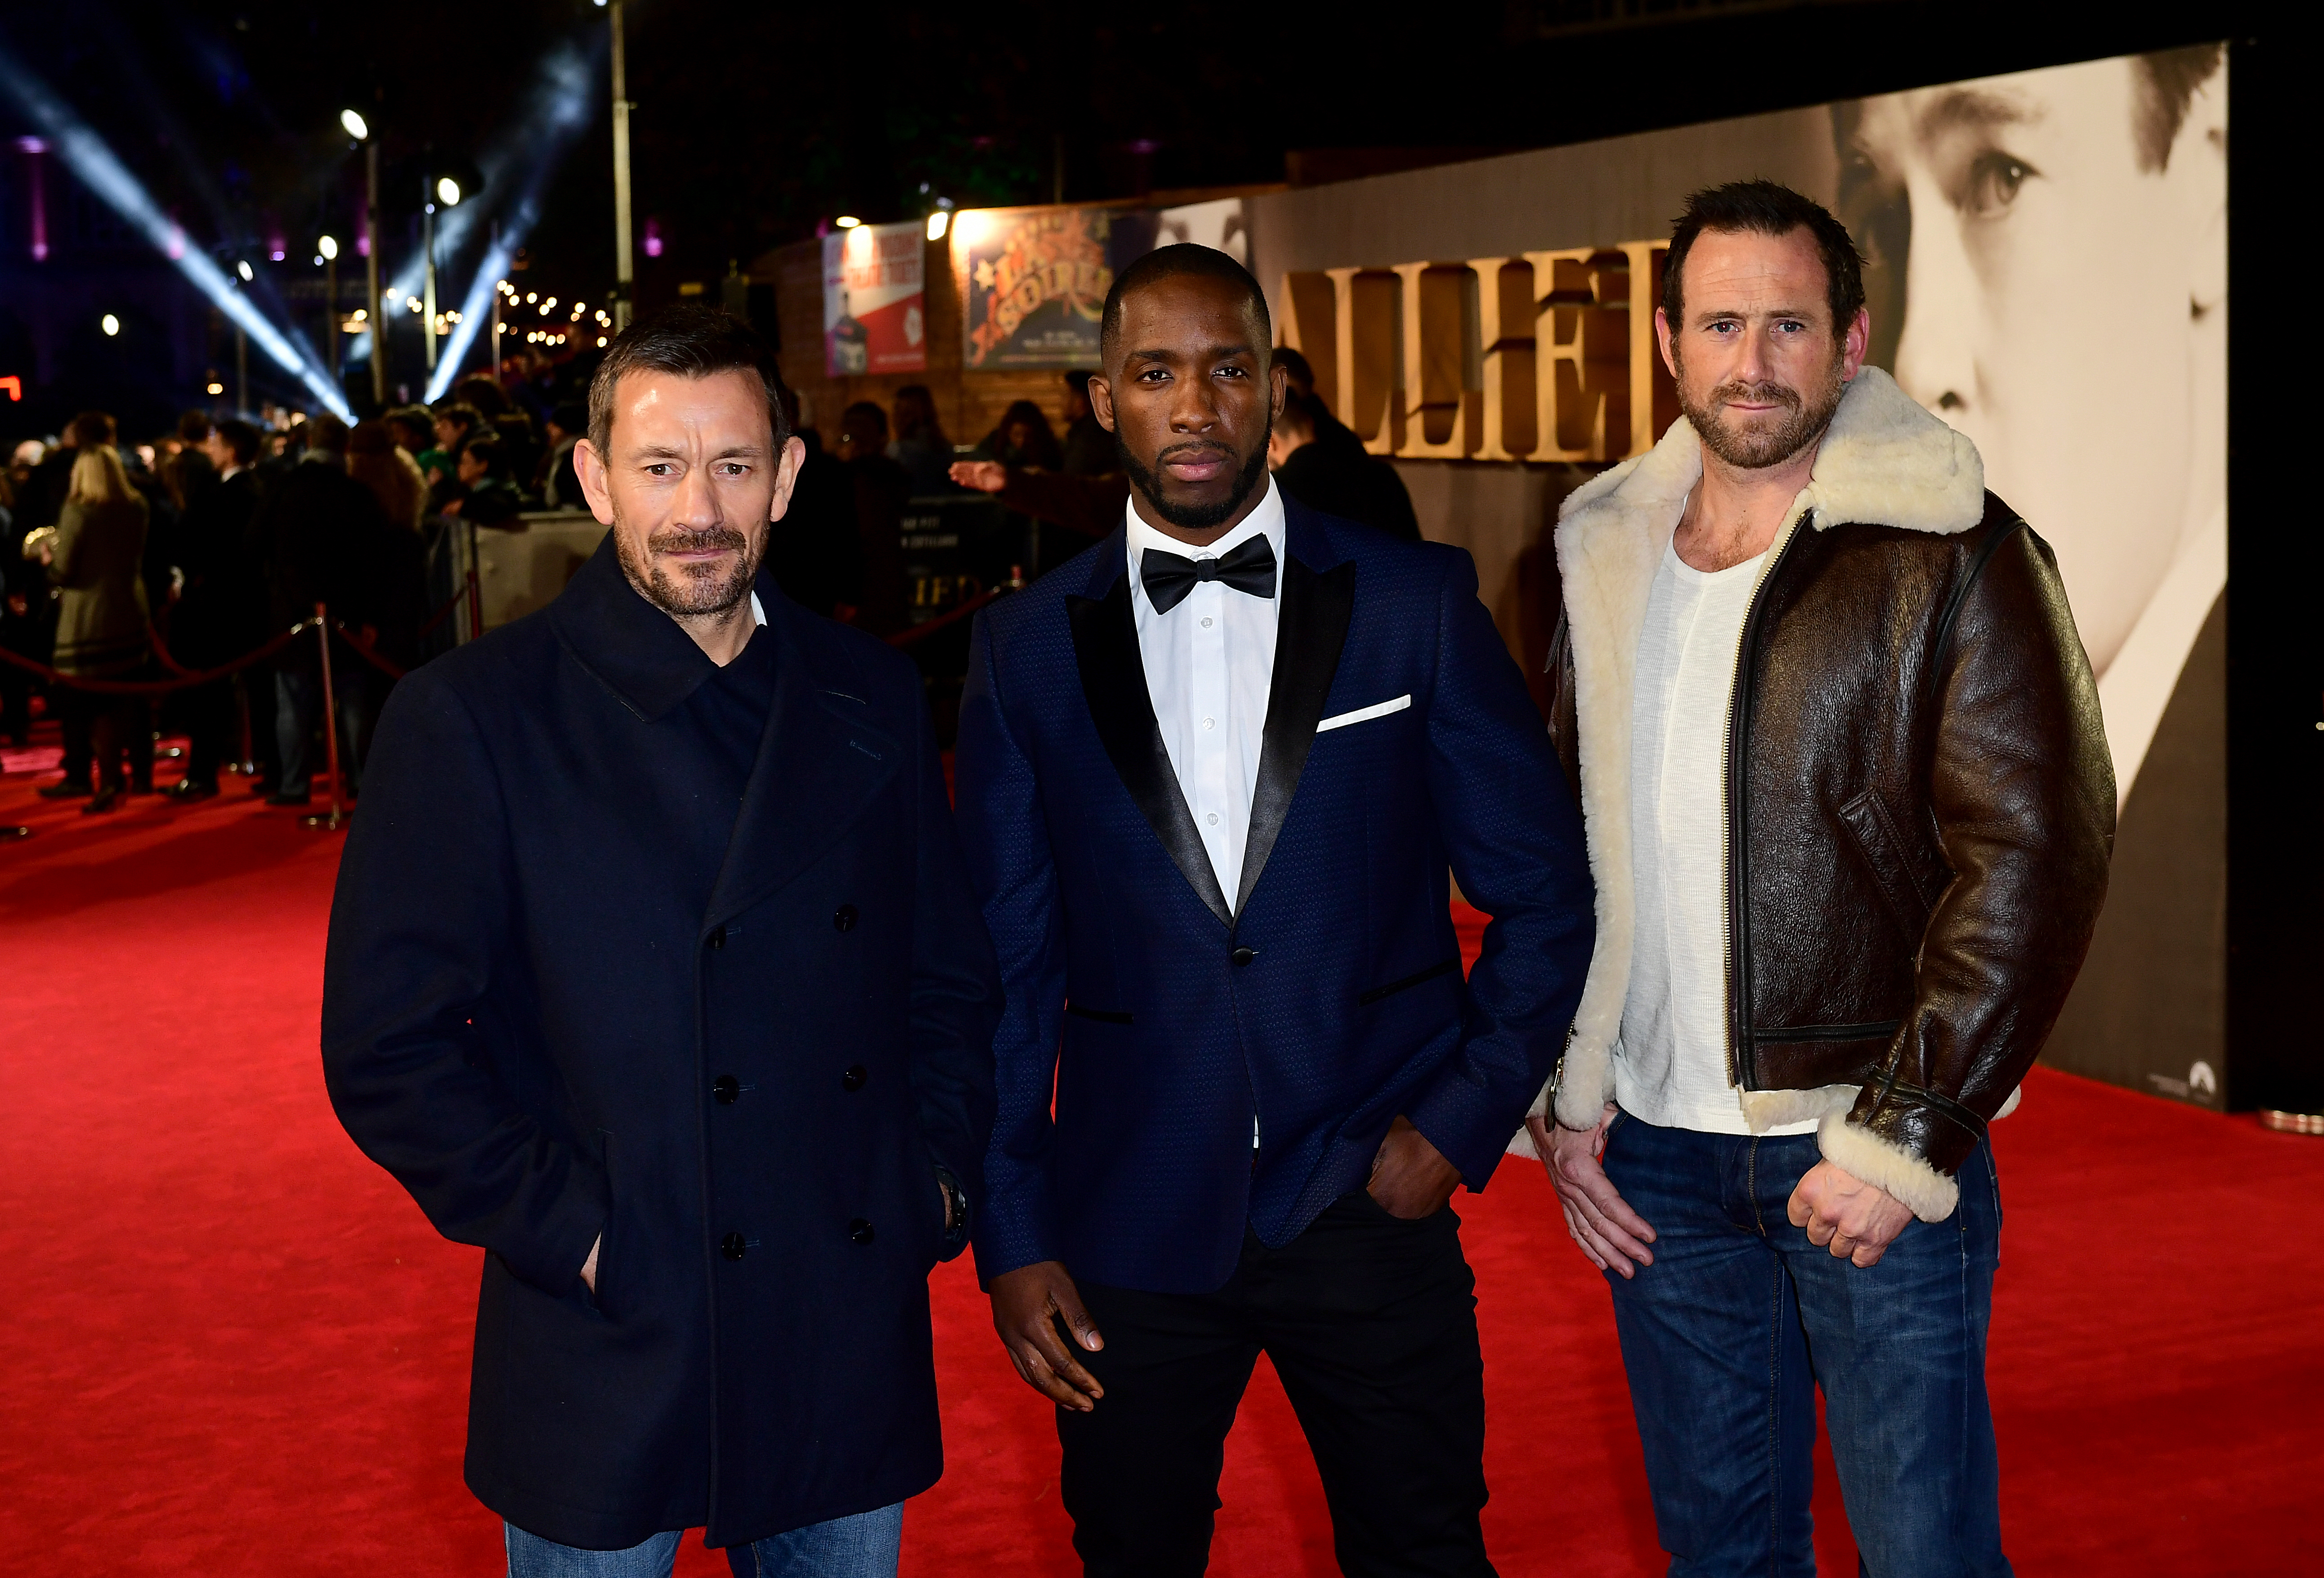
x=1371 y=1322
x=103 y=727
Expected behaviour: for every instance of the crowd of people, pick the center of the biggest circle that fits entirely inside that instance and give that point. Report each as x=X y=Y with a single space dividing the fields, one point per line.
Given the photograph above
x=143 y=565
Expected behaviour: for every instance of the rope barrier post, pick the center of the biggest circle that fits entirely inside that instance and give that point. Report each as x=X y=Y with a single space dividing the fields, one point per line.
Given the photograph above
x=338 y=817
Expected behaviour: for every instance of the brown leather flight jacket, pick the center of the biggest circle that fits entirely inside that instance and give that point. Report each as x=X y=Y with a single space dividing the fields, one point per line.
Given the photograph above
x=1920 y=817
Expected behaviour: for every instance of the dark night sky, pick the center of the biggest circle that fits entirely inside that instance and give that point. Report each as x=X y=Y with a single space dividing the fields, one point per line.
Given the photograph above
x=755 y=122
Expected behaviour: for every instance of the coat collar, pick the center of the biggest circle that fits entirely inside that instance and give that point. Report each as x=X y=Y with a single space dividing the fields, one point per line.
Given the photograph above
x=637 y=651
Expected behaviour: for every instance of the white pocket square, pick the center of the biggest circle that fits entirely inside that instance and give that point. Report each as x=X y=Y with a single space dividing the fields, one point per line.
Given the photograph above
x=1364 y=714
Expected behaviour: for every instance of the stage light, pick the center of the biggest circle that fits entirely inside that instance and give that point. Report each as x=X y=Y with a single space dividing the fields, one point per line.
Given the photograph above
x=359 y=316
x=847 y=221
x=98 y=168
x=530 y=296
x=110 y=325
x=939 y=223
x=329 y=246
x=246 y=271
x=448 y=192
x=357 y=128
x=601 y=342
x=214 y=387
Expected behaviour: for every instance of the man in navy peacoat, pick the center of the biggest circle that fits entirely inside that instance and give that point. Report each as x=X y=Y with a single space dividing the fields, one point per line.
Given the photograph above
x=1211 y=803
x=654 y=971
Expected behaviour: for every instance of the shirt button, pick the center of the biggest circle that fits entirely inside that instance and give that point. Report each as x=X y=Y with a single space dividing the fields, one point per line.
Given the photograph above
x=1206 y=625
x=859 y=1230
x=726 y=1090
x=731 y=1246
x=1213 y=818
x=1210 y=723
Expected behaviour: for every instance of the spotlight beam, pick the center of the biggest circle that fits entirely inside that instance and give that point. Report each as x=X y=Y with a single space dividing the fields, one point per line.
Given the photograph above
x=85 y=154
x=561 y=104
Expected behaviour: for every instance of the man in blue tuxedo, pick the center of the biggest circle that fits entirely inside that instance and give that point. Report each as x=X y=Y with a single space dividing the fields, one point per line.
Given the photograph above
x=1212 y=775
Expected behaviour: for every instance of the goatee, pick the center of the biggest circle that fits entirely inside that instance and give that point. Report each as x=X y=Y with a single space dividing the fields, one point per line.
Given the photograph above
x=1747 y=449
x=1196 y=517
x=694 y=590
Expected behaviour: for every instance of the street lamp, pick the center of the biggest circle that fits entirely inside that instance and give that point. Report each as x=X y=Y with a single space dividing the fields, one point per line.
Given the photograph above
x=448 y=192
x=360 y=130
x=328 y=247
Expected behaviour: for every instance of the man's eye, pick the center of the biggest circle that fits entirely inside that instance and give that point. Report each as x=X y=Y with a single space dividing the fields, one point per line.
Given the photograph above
x=1230 y=373
x=1152 y=375
x=659 y=468
x=1992 y=183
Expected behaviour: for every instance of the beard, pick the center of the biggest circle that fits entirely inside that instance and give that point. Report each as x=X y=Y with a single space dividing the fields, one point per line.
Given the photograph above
x=1194 y=517
x=1806 y=414
x=692 y=590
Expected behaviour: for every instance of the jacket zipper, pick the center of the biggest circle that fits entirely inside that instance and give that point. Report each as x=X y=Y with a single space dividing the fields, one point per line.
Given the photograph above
x=1737 y=860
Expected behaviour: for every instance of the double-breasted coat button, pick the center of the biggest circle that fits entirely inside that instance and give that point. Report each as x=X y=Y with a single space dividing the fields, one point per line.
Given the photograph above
x=854 y=1077
x=859 y=1230
x=845 y=920
x=731 y=1246
x=726 y=1089
x=718 y=938
x=1242 y=956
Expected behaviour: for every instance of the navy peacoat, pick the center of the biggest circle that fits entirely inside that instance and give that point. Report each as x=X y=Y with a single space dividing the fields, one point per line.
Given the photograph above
x=551 y=1016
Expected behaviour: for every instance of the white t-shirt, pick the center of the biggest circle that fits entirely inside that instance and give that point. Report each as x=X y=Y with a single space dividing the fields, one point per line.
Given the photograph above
x=1670 y=1065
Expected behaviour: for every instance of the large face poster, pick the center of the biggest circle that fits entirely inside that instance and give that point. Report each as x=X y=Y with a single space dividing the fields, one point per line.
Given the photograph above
x=2049 y=274
x=874 y=295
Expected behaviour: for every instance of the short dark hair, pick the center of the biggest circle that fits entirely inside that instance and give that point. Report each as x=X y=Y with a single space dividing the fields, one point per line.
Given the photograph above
x=2162 y=86
x=460 y=411
x=1170 y=263
x=414 y=423
x=1077 y=380
x=1765 y=207
x=194 y=426
x=328 y=433
x=692 y=342
x=241 y=437
x=90 y=429
x=868 y=412
x=570 y=415
x=489 y=451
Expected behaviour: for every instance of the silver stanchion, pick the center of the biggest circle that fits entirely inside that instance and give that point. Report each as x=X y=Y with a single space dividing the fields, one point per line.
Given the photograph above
x=338 y=814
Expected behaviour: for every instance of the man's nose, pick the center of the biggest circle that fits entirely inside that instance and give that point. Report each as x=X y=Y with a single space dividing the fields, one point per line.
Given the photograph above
x=1192 y=409
x=1936 y=354
x=694 y=504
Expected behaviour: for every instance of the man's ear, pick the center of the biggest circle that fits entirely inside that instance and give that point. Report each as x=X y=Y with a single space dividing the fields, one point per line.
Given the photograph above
x=595 y=486
x=1663 y=340
x=787 y=470
x=1280 y=377
x=1100 y=398
x=1854 y=343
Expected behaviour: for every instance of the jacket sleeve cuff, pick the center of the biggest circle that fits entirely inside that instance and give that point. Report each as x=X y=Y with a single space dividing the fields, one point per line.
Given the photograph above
x=1861 y=1153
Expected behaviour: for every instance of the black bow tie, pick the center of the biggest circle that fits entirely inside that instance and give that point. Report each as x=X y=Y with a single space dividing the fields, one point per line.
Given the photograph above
x=1169 y=577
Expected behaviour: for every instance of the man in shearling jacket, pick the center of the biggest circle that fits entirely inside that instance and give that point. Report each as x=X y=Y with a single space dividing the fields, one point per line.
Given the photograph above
x=1849 y=808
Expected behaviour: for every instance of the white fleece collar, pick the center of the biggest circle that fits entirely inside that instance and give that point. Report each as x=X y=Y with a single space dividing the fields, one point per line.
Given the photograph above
x=1885 y=461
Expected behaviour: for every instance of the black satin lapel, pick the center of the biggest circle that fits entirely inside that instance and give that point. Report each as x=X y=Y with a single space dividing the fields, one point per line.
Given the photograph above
x=818 y=771
x=1113 y=683
x=1309 y=634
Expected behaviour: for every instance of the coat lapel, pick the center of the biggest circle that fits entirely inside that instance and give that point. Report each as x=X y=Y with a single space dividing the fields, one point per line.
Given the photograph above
x=1113 y=684
x=819 y=768
x=1310 y=632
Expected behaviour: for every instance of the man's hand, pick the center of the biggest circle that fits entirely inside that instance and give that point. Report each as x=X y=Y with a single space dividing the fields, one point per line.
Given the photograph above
x=1026 y=1305
x=986 y=476
x=589 y=1266
x=1410 y=1178
x=1857 y=1220
x=1601 y=1222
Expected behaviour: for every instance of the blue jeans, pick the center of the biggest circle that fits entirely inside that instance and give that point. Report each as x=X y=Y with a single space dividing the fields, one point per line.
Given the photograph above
x=863 y=1546
x=1728 y=1334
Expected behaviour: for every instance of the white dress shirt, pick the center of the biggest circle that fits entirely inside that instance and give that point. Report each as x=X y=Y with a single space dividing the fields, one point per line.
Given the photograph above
x=1209 y=664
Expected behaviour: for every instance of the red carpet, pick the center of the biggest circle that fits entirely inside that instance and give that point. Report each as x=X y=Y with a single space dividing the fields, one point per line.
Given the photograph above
x=234 y=1346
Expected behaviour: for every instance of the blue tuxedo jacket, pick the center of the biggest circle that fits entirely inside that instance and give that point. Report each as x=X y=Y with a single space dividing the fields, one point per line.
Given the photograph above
x=1147 y=1021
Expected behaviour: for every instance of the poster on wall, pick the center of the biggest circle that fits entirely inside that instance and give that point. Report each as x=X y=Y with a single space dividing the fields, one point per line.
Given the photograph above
x=874 y=300
x=1037 y=280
